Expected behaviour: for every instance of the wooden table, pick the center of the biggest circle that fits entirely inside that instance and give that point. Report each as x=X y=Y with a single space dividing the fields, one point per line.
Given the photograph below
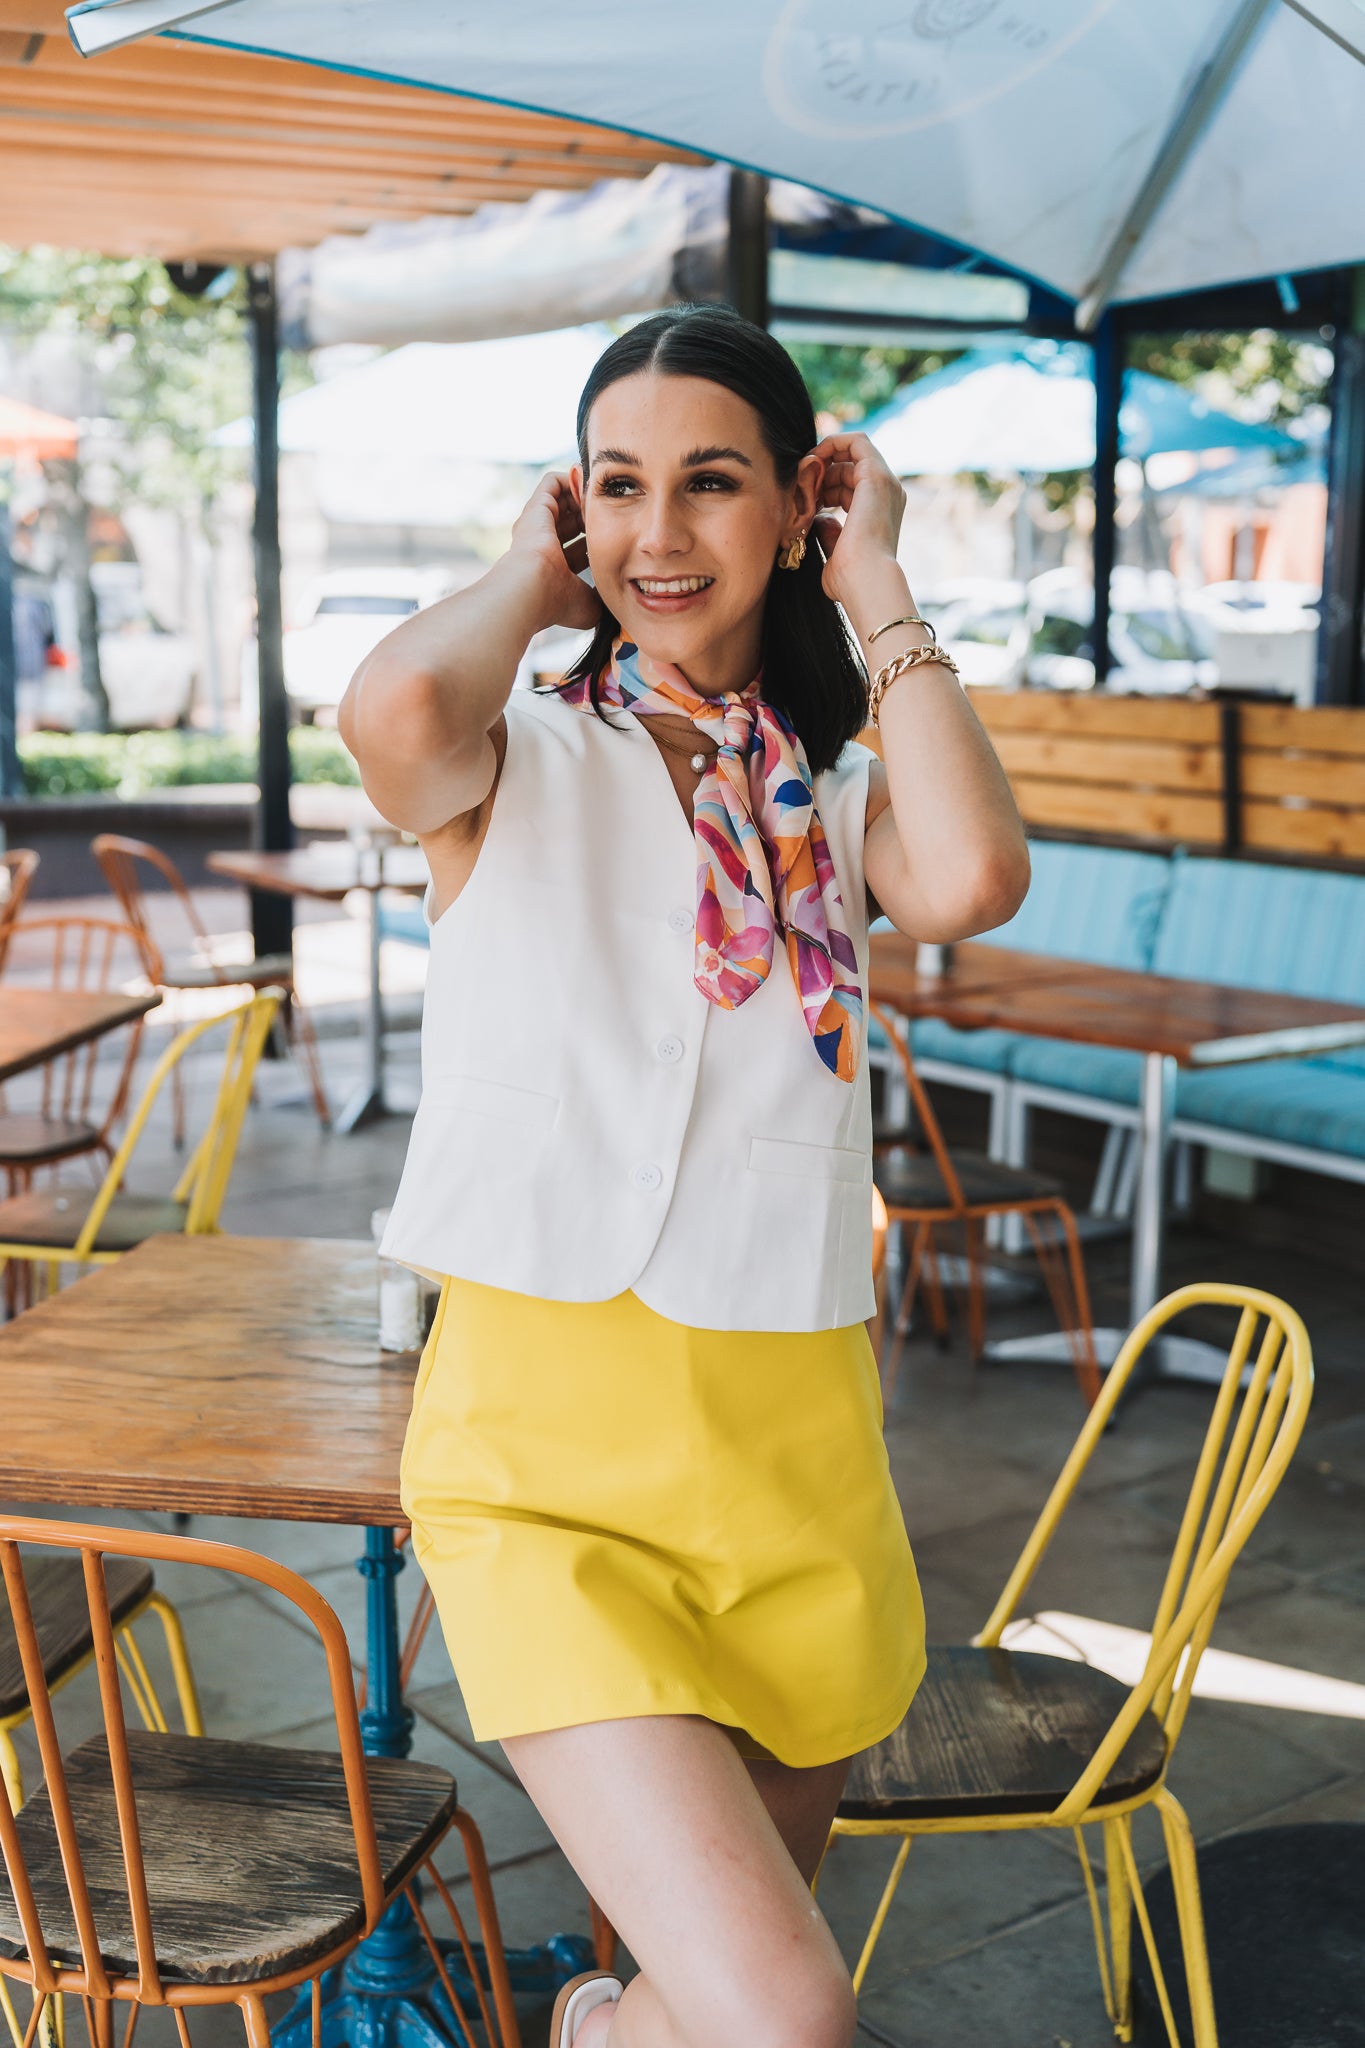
x=243 y=1376
x=1169 y=1021
x=39 y=1024
x=330 y=872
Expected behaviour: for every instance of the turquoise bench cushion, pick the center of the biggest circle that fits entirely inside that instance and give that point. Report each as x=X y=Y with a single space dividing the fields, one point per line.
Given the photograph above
x=1299 y=1102
x=1294 y=929
x=1099 y=903
x=987 y=1051
x=404 y=923
x=1099 y=1070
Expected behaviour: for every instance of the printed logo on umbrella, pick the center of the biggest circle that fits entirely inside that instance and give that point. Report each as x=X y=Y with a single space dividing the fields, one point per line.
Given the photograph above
x=888 y=70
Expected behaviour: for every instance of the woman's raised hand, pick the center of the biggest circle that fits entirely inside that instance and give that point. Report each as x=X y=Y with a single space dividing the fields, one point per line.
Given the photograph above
x=549 y=522
x=857 y=483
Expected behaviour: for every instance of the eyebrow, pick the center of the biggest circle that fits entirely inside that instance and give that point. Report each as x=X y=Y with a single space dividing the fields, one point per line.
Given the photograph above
x=695 y=458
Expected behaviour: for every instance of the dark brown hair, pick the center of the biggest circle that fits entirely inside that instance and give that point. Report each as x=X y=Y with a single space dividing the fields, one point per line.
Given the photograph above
x=811 y=668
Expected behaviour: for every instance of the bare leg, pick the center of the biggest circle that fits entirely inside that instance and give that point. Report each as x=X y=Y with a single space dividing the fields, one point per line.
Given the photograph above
x=683 y=1847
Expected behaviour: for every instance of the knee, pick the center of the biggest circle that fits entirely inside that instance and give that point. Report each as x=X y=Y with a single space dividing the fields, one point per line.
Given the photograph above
x=813 y=2007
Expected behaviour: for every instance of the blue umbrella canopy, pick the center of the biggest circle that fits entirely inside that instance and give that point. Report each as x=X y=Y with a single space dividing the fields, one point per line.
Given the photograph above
x=1030 y=406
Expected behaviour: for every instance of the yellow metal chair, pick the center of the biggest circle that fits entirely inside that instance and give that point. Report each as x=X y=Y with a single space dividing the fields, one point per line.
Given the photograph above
x=65 y=1645
x=1000 y=1740
x=67 y=1224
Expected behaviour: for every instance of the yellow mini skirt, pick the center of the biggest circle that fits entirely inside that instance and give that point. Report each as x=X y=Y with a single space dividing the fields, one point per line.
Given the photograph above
x=620 y=1515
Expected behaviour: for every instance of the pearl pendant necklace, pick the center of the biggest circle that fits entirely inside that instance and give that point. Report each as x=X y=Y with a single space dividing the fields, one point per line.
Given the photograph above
x=697 y=763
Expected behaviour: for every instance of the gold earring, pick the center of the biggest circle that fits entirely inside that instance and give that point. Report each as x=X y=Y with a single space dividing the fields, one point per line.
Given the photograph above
x=794 y=554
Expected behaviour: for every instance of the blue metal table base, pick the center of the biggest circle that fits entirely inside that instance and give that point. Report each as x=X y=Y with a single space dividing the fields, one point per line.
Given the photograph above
x=388 y=1994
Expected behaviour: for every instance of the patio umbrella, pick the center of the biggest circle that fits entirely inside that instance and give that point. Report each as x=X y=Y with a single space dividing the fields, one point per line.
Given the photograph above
x=1115 y=149
x=508 y=401
x=1031 y=408
x=43 y=436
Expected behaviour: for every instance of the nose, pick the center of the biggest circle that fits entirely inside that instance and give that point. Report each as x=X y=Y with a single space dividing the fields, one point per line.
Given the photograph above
x=663 y=530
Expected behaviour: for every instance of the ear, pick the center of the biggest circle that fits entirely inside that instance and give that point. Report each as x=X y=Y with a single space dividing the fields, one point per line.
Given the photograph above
x=576 y=485
x=810 y=479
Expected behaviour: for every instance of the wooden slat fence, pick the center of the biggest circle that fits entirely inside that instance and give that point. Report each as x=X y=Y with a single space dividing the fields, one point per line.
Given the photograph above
x=1265 y=780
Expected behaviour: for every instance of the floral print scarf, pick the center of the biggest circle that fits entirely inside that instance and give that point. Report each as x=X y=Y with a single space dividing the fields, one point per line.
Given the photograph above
x=763 y=862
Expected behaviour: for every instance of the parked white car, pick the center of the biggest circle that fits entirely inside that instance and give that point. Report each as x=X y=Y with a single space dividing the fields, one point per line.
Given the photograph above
x=1159 y=646
x=356 y=608
x=149 y=672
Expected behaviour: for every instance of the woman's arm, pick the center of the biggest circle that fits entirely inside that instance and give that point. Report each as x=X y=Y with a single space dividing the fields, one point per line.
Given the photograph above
x=945 y=854
x=419 y=709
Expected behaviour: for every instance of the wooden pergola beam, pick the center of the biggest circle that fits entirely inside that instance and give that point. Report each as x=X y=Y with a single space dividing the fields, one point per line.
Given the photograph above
x=166 y=149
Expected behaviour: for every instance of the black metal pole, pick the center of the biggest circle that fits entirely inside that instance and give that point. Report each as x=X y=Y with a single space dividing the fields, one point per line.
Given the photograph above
x=11 y=782
x=1339 y=678
x=747 y=266
x=272 y=917
x=1108 y=352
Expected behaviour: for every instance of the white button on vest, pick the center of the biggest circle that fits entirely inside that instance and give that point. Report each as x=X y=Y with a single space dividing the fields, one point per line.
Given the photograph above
x=648 y=1178
x=680 y=920
x=669 y=1050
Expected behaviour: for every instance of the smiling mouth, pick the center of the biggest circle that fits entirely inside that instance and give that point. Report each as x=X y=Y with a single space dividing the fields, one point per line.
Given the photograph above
x=671 y=586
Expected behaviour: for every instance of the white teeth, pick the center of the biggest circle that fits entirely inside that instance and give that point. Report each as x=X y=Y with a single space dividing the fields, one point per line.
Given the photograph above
x=672 y=586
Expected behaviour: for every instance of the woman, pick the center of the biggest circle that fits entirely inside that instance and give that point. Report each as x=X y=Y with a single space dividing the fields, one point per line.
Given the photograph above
x=645 y=1469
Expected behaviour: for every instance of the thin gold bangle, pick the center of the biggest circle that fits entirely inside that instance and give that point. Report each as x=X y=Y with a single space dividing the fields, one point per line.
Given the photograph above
x=910 y=619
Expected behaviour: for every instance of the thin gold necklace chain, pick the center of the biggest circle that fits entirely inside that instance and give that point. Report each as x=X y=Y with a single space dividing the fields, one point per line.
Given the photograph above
x=672 y=746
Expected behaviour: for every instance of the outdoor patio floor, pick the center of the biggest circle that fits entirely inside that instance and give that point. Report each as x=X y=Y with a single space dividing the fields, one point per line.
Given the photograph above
x=989 y=1940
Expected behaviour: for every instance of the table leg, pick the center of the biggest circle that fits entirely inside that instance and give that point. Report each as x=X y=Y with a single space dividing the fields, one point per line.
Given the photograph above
x=1149 y=1214
x=368 y=1099
x=388 y=1994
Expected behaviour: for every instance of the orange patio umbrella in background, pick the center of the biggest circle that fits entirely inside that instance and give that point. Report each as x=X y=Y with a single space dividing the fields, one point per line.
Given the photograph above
x=44 y=436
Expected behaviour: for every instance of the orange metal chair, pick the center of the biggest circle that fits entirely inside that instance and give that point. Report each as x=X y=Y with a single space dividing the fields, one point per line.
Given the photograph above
x=929 y=1189
x=85 y=953
x=161 y=1869
x=200 y=967
x=17 y=869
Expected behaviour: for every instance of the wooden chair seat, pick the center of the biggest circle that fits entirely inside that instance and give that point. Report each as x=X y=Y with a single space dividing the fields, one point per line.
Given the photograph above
x=914 y=1181
x=250 y=1853
x=56 y=1591
x=995 y=1731
x=272 y=970
x=55 y=1216
x=37 y=1140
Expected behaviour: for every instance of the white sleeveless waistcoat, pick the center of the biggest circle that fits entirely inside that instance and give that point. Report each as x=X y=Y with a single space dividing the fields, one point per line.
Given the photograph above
x=589 y=1122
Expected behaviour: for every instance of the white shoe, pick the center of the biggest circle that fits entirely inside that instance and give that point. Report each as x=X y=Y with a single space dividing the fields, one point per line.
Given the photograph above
x=579 y=1997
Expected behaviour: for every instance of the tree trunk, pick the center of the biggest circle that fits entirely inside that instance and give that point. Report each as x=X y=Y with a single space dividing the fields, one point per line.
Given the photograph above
x=75 y=528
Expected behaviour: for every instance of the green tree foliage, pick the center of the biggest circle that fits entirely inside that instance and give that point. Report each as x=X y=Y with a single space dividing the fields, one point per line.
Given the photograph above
x=1264 y=375
x=852 y=382
x=171 y=368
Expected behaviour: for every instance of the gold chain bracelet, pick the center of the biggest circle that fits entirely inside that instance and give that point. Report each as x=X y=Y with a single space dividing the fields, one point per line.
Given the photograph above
x=901 y=665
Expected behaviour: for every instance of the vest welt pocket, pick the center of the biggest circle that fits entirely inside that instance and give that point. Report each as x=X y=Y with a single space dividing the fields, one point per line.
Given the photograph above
x=521 y=1107
x=810 y=1162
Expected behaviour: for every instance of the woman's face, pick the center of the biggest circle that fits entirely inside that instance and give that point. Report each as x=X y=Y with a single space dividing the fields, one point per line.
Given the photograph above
x=684 y=516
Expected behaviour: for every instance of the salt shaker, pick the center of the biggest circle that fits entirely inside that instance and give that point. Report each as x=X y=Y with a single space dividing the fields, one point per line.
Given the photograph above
x=400 y=1297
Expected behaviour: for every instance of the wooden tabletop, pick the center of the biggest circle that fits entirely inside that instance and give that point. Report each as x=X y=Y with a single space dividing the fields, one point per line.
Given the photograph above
x=1196 y=1023
x=215 y=1375
x=898 y=980
x=329 y=871
x=37 y=1024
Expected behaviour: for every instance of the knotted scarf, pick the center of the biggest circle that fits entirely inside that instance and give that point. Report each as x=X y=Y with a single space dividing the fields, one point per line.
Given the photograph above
x=763 y=862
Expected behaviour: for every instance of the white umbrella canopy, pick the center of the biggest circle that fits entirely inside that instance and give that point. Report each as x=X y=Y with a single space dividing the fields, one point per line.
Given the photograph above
x=1114 y=149
x=472 y=402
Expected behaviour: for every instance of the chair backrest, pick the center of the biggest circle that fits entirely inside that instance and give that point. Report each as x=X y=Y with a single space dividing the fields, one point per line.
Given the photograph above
x=17 y=869
x=1251 y=1436
x=120 y=861
x=923 y=1108
x=81 y=953
x=87 y=1972
x=204 y=1182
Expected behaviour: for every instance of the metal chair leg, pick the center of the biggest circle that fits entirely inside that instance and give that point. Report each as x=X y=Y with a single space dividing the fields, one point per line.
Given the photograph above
x=933 y=1278
x=1190 y=1915
x=1120 y=1928
x=299 y=1022
x=883 y=1908
x=185 y=1687
x=976 y=1289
